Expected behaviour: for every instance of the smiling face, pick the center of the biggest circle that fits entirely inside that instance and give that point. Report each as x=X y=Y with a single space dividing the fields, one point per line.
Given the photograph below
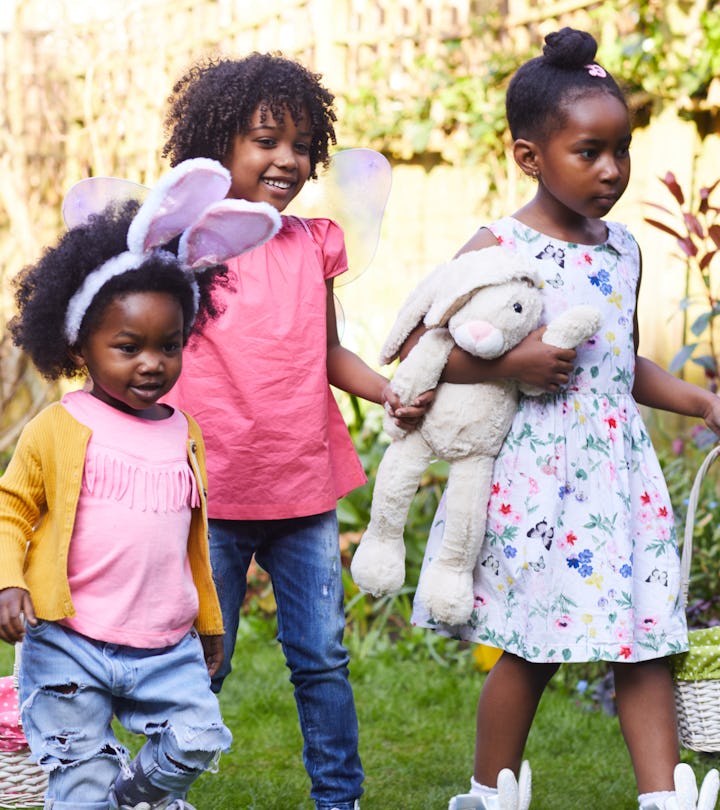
x=271 y=162
x=134 y=354
x=584 y=166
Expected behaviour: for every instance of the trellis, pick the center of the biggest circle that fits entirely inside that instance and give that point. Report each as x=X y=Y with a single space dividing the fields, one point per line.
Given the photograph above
x=85 y=94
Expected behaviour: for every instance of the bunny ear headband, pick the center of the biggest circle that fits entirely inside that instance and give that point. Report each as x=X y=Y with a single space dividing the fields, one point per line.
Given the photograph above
x=188 y=201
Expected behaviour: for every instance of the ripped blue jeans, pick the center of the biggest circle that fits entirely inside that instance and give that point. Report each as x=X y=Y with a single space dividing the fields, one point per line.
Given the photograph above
x=70 y=687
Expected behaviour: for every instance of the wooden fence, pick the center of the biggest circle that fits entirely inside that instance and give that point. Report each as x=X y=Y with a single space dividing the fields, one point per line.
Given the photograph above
x=83 y=90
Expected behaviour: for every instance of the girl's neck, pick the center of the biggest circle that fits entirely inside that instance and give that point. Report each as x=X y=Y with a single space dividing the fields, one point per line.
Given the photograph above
x=564 y=226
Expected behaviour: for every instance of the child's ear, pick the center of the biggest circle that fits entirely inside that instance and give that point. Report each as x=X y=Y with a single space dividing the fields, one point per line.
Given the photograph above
x=525 y=154
x=76 y=355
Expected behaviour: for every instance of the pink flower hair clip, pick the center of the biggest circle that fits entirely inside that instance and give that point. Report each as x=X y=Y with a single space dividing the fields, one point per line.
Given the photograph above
x=596 y=70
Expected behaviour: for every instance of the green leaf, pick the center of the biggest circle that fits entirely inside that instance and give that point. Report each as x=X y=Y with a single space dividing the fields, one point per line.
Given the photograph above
x=349 y=515
x=682 y=357
x=707 y=362
x=701 y=323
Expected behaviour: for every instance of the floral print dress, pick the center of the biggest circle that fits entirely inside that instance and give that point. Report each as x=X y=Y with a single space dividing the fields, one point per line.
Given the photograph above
x=580 y=559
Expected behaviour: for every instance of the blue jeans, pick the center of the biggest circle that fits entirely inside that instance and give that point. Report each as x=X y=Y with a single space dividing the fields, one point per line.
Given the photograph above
x=302 y=557
x=70 y=687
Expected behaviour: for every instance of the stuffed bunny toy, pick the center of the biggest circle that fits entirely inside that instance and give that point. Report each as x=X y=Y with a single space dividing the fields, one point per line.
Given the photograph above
x=486 y=302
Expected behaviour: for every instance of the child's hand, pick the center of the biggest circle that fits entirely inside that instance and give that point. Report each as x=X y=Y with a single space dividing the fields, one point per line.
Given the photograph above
x=539 y=364
x=407 y=417
x=213 y=649
x=14 y=603
x=712 y=414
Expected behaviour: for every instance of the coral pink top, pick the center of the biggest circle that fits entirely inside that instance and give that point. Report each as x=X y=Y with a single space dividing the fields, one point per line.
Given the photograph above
x=256 y=381
x=128 y=566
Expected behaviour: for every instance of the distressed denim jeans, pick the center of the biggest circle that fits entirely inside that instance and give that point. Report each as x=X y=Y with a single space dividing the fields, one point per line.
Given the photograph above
x=302 y=557
x=70 y=687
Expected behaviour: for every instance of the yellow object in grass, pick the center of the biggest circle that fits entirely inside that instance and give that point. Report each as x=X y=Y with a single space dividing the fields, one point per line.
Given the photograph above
x=485 y=657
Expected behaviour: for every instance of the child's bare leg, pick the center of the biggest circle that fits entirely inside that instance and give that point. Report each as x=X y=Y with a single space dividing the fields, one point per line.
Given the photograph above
x=646 y=709
x=507 y=706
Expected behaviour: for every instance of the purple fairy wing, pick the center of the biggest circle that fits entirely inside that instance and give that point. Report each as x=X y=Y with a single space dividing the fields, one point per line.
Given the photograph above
x=354 y=192
x=93 y=194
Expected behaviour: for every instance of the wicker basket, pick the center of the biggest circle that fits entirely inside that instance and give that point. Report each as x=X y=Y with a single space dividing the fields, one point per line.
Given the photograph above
x=696 y=674
x=22 y=782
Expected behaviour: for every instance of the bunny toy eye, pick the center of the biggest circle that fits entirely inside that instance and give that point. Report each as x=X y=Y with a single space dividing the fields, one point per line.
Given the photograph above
x=517 y=306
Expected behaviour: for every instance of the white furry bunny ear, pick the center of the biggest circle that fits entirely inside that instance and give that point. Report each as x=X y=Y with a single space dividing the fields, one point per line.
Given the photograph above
x=225 y=229
x=176 y=202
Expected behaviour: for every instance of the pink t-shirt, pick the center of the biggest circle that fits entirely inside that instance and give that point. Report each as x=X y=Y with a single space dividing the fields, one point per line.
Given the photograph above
x=128 y=567
x=256 y=382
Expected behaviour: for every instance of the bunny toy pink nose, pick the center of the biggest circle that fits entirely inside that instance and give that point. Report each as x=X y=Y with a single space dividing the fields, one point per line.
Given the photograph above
x=479 y=330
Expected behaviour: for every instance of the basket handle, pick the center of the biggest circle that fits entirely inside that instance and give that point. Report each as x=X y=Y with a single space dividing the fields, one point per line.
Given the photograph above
x=686 y=558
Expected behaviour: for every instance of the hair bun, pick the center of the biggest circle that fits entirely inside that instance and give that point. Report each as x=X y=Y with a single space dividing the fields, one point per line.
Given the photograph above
x=569 y=48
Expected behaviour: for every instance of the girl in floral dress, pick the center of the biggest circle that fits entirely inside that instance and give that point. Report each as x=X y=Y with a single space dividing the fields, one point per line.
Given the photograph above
x=580 y=559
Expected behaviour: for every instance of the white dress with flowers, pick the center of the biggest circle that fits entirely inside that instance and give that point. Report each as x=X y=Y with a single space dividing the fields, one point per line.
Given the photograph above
x=580 y=559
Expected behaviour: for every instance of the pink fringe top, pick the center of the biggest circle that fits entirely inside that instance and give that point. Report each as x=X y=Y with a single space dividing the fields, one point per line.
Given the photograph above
x=128 y=566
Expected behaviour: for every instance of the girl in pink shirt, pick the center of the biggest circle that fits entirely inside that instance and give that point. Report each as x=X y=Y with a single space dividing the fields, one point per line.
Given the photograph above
x=258 y=382
x=104 y=562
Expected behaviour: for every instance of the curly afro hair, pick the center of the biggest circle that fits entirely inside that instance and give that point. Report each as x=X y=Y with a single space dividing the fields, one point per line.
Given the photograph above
x=215 y=100
x=43 y=290
x=544 y=88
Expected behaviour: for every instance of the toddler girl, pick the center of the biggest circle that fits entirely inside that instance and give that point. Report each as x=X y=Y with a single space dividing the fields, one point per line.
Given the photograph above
x=580 y=559
x=104 y=563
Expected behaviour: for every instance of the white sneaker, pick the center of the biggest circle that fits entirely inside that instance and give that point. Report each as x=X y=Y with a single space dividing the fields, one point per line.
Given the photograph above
x=164 y=804
x=115 y=804
x=687 y=796
x=513 y=794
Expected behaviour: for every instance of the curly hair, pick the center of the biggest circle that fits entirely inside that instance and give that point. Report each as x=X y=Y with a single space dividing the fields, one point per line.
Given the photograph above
x=44 y=289
x=215 y=100
x=543 y=89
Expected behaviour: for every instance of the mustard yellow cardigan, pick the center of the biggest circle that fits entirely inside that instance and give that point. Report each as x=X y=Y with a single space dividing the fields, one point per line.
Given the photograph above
x=39 y=493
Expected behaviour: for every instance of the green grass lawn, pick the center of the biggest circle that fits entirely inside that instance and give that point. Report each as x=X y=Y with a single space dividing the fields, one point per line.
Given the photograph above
x=417 y=717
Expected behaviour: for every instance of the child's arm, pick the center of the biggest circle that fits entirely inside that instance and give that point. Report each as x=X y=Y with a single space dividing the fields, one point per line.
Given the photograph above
x=531 y=362
x=349 y=373
x=658 y=388
x=213 y=651
x=14 y=604
x=21 y=500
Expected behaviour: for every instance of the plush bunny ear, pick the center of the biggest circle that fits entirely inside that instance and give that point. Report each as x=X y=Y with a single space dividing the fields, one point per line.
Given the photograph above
x=461 y=277
x=176 y=202
x=225 y=229
x=449 y=286
x=93 y=194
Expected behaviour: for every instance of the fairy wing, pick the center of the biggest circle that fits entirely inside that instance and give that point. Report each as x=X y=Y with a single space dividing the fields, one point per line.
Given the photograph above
x=354 y=192
x=93 y=194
